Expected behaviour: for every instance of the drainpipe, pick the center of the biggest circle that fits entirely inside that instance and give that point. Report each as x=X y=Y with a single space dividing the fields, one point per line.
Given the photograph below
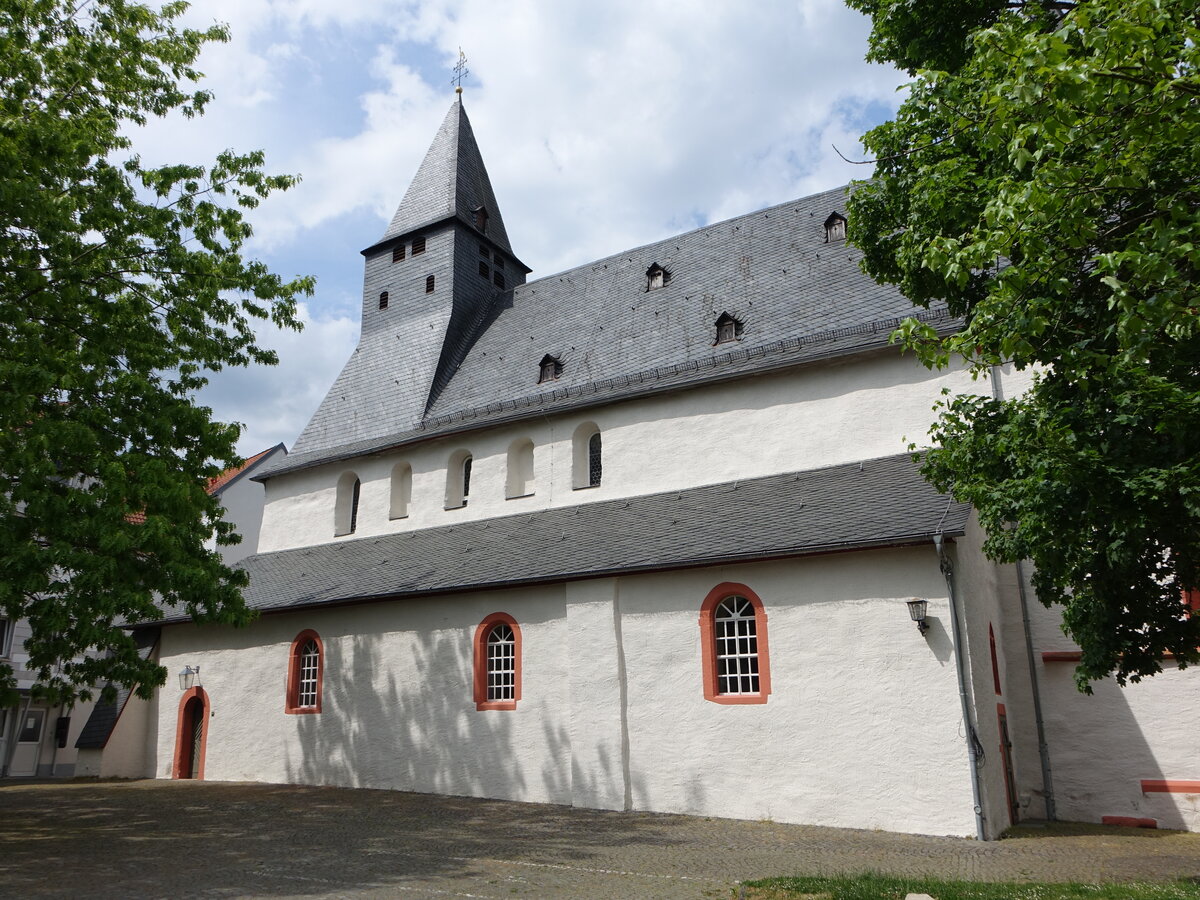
x=973 y=753
x=1039 y=721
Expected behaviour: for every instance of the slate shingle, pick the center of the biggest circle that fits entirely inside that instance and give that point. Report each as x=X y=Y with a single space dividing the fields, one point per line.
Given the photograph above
x=877 y=502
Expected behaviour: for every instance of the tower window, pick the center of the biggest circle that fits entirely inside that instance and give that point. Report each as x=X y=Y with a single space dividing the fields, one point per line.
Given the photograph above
x=418 y=245
x=498 y=279
x=397 y=253
x=657 y=277
x=429 y=284
x=728 y=328
x=481 y=218
x=835 y=228
x=484 y=271
x=549 y=368
x=498 y=261
x=483 y=251
x=383 y=300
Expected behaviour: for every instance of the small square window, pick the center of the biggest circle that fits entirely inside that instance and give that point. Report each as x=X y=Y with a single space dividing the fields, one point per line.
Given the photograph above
x=429 y=284
x=397 y=253
x=418 y=245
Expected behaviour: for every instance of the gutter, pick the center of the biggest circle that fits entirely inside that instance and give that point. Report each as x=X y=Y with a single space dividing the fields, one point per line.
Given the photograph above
x=974 y=752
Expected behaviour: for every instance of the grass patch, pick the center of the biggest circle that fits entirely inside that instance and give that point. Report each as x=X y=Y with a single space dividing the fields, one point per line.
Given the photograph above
x=883 y=887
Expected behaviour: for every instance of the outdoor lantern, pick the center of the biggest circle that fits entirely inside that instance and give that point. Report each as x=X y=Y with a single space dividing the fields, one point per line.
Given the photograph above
x=916 y=611
x=187 y=677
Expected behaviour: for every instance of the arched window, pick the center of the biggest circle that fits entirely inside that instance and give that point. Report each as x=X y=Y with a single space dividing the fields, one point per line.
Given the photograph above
x=497 y=662
x=458 y=479
x=306 y=665
x=587 y=467
x=345 y=512
x=733 y=644
x=519 y=482
x=401 y=490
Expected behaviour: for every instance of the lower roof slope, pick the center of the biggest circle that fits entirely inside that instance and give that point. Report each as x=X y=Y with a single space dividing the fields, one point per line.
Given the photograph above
x=878 y=502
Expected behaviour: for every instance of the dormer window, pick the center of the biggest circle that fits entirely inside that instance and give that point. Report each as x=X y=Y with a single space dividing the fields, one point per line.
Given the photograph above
x=383 y=300
x=550 y=368
x=728 y=328
x=656 y=277
x=481 y=218
x=418 y=245
x=835 y=228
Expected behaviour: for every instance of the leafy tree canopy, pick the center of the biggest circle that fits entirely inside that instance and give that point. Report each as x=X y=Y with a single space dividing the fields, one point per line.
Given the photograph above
x=1042 y=180
x=122 y=285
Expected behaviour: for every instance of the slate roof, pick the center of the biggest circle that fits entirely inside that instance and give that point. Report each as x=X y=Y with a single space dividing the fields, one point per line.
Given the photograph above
x=103 y=719
x=450 y=183
x=799 y=300
x=879 y=502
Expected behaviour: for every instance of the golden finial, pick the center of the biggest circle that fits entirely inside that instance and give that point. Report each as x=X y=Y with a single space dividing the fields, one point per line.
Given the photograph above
x=460 y=71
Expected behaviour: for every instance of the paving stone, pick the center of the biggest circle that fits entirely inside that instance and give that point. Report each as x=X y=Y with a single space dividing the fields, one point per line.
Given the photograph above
x=212 y=839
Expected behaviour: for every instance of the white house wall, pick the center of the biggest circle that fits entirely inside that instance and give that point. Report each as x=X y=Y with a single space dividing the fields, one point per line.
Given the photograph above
x=612 y=712
x=1104 y=745
x=802 y=419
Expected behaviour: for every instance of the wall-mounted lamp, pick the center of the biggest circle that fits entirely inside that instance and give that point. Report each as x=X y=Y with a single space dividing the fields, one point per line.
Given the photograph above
x=187 y=677
x=916 y=611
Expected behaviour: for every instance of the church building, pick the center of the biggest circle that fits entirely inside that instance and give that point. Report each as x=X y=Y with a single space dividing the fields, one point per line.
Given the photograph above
x=644 y=535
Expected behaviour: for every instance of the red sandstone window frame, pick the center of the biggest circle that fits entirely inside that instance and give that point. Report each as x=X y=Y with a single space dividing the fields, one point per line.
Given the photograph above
x=292 y=702
x=482 y=632
x=708 y=645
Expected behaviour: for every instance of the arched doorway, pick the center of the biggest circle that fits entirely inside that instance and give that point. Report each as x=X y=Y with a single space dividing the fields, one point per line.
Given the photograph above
x=191 y=734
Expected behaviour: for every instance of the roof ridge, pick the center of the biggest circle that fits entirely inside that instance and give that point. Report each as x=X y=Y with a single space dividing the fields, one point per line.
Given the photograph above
x=845 y=188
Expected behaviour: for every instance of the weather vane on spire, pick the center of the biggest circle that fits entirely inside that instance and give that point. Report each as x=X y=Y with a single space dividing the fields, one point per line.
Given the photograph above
x=460 y=71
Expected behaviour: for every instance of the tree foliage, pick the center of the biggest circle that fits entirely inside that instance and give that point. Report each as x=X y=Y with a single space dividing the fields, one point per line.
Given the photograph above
x=122 y=286
x=1042 y=180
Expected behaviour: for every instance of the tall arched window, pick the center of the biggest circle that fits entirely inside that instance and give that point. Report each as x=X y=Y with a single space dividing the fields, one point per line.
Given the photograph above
x=458 y=479
x=345 y=515
x=497 y=662
x=401 y=491
x=587 y=465
x=519 y=481
x=306 y=665
x=733 y=644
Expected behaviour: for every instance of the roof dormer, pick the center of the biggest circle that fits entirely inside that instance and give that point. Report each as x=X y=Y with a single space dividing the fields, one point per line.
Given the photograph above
x=657 y=277
x=549 y=368
x=728 y=328
x=835 y=228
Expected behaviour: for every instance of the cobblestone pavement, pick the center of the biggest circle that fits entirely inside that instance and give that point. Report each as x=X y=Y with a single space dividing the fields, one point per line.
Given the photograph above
x=209 y=839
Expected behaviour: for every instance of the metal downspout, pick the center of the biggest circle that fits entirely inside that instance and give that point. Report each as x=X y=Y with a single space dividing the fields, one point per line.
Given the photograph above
x=960 y=670
x=1039 y=722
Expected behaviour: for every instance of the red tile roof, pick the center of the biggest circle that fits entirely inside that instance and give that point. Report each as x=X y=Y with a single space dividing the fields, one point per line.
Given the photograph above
x=214 y=484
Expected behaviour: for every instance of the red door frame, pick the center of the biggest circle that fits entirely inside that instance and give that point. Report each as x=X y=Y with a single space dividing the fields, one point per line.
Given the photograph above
x=183 y=735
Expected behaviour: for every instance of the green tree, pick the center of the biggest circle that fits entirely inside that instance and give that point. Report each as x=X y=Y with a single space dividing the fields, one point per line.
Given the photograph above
x=1042 y=181
x=122 y=286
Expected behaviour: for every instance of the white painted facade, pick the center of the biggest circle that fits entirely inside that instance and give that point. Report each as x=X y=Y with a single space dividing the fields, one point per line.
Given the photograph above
x=612 y=688
x=796 y=420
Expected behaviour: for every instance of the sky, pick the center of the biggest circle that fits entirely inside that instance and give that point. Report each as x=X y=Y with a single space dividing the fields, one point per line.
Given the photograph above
x=604 y=126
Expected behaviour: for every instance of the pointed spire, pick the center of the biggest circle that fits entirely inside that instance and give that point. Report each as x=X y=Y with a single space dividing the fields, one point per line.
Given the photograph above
x=451 y=182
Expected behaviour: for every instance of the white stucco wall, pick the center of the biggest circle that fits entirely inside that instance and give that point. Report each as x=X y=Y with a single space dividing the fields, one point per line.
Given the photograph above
x=612 y=712
x=1102 y=746
x=802 y=419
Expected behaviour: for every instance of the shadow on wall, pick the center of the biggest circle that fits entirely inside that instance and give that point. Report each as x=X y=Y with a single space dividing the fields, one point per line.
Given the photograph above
x=1100 y=753
x=411 y=725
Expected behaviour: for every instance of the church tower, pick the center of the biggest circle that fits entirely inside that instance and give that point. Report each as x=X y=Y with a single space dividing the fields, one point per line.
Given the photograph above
x=443 y=265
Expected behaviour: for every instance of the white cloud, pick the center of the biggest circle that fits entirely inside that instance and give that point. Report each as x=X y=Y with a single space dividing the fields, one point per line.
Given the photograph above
x=274 y=402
